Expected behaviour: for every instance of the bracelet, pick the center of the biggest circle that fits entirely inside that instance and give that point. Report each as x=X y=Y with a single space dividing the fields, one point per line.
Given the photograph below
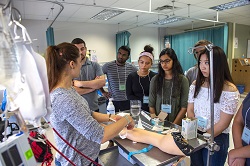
x=127 y=118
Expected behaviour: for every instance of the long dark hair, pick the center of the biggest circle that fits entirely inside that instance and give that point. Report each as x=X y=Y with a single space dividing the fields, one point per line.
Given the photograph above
x=56 y=59
x=220 y=70
x=176 y=69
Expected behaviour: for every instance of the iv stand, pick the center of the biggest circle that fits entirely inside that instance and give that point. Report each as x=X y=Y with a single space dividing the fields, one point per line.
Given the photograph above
x=212 y=146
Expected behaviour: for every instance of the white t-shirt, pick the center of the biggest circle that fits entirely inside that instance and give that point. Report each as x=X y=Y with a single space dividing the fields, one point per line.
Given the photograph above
x=227 y=104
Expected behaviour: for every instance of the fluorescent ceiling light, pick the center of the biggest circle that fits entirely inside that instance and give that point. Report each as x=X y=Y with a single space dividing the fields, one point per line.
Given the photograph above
x=231 y=5
x=107 y=14
x=168 y=20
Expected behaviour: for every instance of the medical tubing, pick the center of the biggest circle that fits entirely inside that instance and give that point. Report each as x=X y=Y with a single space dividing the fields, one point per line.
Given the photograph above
x=76 y=149
x=48 y=163
x=48 y=142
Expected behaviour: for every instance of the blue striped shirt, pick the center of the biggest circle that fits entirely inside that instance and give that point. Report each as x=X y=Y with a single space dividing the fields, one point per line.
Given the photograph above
x=116 y=75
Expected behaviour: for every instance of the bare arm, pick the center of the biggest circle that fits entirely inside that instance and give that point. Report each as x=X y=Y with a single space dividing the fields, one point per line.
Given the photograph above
x=83 y=91
x=237 y=128
x=163 y=142
x=112 y=130
x=240 y=153
x=180 y=116
x=152 y=111
x=107 y=95
x=190 y=110
x=97 y=83
x=223 y=123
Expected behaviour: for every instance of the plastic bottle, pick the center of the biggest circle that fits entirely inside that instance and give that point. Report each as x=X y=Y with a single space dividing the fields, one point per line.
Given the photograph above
x=110 y=107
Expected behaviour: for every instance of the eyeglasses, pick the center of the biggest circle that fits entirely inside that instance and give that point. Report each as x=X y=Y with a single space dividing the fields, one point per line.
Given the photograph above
x=166 y=61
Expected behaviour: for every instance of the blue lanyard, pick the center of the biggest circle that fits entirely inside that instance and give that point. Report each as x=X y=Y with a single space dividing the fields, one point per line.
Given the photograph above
x=4 y=101
x=144 y=150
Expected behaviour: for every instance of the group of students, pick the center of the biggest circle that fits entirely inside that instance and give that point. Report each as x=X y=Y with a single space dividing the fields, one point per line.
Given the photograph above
x=168 y=89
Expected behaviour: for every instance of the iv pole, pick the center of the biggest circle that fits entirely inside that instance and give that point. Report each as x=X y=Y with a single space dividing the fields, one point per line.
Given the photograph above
x=212 y=146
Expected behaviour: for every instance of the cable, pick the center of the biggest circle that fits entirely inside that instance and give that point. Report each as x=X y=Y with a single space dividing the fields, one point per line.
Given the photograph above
x=76 y=149
x=47 y=141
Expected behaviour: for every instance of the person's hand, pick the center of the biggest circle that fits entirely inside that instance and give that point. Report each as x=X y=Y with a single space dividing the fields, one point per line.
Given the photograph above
x=239 y=162
x=232 y=161
x=131 y=125
x=153 y=116
x=230 y=158
x=77 y=83
x=97 y=77
x=116 y=117
x=107 y=95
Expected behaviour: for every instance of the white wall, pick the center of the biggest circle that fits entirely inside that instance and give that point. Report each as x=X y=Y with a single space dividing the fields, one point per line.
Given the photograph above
x=99 y=37
x=141 y=37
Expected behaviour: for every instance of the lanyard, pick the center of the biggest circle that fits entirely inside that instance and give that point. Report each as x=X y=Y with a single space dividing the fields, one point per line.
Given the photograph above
x=118 y=72
x=144 y=150
x=246 y=116
x=170 y=94
x=141 y=84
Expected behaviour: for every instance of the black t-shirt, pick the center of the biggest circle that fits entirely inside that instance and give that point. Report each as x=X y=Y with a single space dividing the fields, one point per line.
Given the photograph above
x=137 y=87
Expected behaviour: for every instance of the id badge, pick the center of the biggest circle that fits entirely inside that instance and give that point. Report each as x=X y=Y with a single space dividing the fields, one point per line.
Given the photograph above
x=122 y=87
x=145 y=99
x=202 y=123
x=166 y=108
x=246 y=135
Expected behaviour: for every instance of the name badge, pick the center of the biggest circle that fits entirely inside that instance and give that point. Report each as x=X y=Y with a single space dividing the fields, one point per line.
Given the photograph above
x=166 y=108
x=202 y=123
x=145 y=99
x=122 y=87
x=246 y=135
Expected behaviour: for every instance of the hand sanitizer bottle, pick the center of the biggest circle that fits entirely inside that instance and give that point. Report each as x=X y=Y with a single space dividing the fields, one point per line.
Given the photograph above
x=110 y=107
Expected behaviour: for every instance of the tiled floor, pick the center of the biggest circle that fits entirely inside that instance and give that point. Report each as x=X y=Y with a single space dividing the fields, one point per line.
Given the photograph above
x=50 y=136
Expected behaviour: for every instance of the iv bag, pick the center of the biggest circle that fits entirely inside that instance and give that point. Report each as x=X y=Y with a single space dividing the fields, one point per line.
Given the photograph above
x=22 y=76
x=9 y=68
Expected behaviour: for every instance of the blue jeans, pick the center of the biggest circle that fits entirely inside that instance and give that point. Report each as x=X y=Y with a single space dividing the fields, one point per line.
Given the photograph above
x=199 y=158
x=57 y=163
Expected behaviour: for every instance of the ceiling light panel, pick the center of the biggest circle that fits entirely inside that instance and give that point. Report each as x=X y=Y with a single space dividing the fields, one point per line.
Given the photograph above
x=107 y=14
x=231 y=5
x=168 y=20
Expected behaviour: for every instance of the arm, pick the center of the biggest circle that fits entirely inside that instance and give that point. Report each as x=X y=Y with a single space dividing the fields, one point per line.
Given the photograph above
x=223 y=123
x=97 y=83
x=83 y=91
x=183 y=101
x=112 y=130
x=190 y=110
x=152 y=97
x=180 y=116
x=129 y=88
x=228 y=106
x=107 y=95
x=163 y=142
x=238 y=156
x=237 y=130
x=152 y=112
x=190 y=107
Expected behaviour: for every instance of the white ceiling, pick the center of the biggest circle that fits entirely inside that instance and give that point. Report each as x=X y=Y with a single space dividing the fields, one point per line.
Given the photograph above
x=83 y=10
